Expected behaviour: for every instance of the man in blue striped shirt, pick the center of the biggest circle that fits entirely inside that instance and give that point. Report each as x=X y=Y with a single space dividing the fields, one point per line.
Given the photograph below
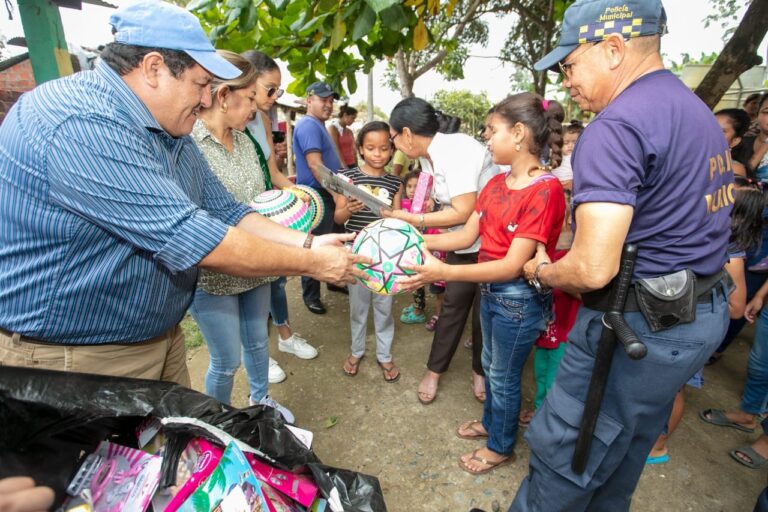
x=108 y=208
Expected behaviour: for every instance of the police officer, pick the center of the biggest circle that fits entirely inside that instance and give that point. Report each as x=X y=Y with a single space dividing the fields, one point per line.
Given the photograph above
x=652 y=169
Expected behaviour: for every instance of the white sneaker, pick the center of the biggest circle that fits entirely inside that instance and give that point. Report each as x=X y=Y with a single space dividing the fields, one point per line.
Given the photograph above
x=297 y=346
x=271 y=402
x=276 y=374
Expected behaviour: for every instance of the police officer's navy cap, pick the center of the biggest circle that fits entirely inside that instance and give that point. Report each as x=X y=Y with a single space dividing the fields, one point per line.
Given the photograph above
x=321 y=89
x=590 y=21
x=157 y=24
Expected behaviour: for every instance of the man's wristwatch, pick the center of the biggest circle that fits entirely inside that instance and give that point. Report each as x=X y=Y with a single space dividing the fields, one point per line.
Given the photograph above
x=308 y=241
x=535 y=281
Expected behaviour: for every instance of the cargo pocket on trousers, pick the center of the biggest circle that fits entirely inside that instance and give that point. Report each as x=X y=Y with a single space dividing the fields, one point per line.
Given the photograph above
x=553 y=432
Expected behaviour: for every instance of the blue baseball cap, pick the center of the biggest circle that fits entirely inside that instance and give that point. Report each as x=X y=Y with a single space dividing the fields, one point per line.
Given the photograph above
x=157 y=24
x=589 y=21
x=322 y=89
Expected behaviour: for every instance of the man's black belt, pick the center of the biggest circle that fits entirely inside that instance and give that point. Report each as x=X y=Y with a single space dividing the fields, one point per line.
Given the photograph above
x=600 y=300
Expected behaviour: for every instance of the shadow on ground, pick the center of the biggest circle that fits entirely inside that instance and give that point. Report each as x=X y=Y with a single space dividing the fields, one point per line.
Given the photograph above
x=384 y=431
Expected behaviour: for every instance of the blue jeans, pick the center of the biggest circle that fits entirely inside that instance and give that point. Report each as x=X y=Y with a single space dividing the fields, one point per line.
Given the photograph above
x=232 y=324
x=279 y=302
x=636 y=405
x=754 y=400
x=512 y=315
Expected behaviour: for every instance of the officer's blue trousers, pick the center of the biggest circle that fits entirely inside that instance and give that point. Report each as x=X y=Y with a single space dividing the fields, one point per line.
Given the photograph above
x=636 y=405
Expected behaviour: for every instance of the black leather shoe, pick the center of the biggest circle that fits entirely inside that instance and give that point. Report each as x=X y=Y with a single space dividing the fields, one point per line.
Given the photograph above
x=316 y=307
x=338 y=289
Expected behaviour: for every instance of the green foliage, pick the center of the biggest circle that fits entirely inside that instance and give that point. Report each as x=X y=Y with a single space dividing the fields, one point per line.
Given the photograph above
x=444 y=43
x=707 y=59
x=535 y=33
x=727 y=15
x=320 y=39
x=362 y=112
x=469 y=107
x=192 y=337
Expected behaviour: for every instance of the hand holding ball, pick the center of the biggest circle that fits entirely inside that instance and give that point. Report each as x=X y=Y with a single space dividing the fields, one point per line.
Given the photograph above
x=391 y=244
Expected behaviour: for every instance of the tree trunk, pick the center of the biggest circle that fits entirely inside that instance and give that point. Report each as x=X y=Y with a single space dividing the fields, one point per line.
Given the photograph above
x=404 y=77
x=540 y=79
x=738 y=56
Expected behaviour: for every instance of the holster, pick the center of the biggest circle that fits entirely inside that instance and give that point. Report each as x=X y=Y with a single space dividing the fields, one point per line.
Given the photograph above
x=667 y=301
x=664 y=301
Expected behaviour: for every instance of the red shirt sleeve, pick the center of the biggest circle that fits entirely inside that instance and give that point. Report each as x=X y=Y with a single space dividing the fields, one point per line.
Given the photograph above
x=544 y=213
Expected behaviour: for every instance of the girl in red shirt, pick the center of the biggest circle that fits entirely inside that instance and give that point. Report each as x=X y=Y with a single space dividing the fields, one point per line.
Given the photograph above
x=516 y=211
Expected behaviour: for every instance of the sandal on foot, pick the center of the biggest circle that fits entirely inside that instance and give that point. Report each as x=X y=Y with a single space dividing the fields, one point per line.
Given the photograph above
x=718 y=417
x=470 y=426
x=426 y=397
x=410 y=317
x=432 y=323
x=661 y=459
x=391 y=372
x=485 y=462
x=351 y=365
x=756 y=461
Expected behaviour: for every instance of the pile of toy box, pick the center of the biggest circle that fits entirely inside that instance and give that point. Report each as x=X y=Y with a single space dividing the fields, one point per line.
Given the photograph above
x=108 y=444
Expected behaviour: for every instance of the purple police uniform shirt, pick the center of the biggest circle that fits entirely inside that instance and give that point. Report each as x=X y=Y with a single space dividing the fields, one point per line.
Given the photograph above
x=658 y=148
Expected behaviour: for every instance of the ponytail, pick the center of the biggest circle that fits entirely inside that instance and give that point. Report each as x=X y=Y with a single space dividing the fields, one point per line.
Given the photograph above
x=555 y=114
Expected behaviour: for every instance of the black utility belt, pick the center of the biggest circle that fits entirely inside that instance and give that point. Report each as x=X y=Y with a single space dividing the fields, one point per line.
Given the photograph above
x=664 y=301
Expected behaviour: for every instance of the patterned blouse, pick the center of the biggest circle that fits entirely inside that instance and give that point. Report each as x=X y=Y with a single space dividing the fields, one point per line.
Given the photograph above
x=241 y=174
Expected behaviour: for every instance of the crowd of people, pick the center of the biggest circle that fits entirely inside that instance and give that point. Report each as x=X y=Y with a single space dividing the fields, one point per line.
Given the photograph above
x=125 y=205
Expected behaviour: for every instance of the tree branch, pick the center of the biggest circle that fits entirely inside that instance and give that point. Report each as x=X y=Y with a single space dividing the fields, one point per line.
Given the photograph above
x=523 y=11
x=739 y=54
x=457 y=33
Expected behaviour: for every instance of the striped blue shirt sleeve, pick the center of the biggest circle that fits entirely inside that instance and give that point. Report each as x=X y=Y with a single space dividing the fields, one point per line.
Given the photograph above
x=133 y=197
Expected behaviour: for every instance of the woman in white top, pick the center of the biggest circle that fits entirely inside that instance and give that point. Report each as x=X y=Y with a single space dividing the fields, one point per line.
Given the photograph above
x=460 y=167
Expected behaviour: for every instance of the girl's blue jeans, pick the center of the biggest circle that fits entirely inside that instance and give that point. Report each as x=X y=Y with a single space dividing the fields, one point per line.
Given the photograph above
x=233 y=325
x=754 y=400
x=279 y=302
x=512 y=316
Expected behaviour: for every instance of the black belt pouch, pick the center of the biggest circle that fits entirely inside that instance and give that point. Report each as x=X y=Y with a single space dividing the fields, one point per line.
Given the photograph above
x=667 y=301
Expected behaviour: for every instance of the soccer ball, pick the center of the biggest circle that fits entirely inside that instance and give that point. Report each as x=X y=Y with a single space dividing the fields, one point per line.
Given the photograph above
x=316 y=204
x=390 y=244
x=284 y=208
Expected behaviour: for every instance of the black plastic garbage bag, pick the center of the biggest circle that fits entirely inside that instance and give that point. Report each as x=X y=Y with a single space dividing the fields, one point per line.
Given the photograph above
x=49 y=422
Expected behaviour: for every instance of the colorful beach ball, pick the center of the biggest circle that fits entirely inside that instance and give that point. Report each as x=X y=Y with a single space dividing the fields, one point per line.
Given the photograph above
x=316 y=204
x=284 y=208
x=390 y=244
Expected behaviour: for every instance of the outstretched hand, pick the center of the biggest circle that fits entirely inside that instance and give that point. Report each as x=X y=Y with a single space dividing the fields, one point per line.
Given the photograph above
x=397 y=214
x=20 y=494
x=333 y=239
x=431 y=271
x=335 y=263
x=529 y=269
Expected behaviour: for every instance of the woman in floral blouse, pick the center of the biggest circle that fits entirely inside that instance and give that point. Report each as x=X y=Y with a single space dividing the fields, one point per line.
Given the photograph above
x=231 y=311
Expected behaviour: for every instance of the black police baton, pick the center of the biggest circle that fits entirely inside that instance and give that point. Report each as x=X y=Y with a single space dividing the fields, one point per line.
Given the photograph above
x=614 y=326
